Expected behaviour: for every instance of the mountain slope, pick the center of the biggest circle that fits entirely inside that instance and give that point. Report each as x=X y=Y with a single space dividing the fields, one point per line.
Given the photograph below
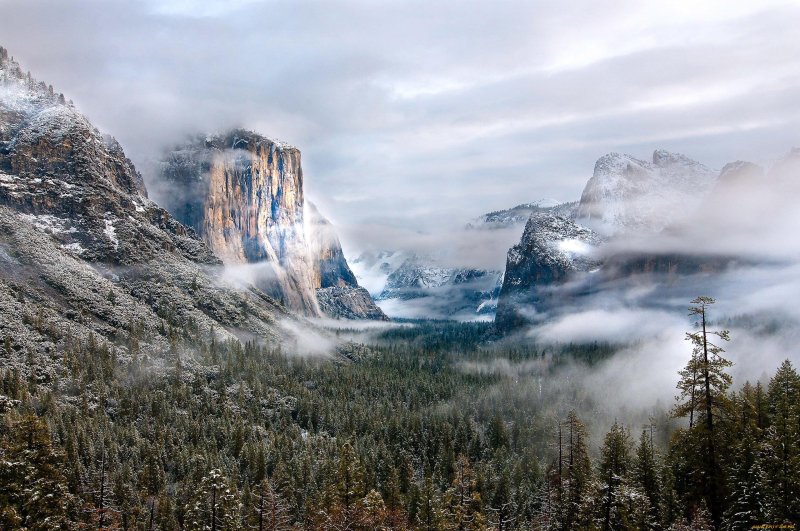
x=85 y=256
x=520 y=214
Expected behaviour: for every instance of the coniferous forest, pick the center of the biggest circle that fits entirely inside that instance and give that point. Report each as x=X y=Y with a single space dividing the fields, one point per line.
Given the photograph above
x=253 y=436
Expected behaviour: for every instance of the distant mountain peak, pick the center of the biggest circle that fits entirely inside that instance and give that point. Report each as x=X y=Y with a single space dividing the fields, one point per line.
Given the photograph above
x=627 y=194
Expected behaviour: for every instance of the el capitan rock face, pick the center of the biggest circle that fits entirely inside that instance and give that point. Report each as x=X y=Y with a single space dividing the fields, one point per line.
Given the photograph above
x=243 y=194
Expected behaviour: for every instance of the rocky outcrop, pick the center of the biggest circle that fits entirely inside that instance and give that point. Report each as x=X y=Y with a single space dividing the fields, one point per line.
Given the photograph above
x=243 y=194
x=656 y=223
x=520 y=214
x=444 y=292
x=338 y=293
x=349 y=302
x=553 y=250
x=330 y=265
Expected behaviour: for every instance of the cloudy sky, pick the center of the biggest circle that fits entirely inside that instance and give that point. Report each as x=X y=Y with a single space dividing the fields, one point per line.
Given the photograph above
x=420 y=113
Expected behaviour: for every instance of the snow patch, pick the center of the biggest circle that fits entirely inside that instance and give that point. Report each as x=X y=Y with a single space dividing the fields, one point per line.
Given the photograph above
x=75 y=248
x=48 y=224
x=573 y=246
x=111 y=233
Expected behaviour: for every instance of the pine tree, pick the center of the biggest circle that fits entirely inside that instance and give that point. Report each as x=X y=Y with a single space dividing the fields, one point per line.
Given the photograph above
x=270 y=510
x=345 y=504
x=746 y=503
x=502 y=509
x=577 y=473
x=374 y=514
x=215 y=506
x=611 y=476
x=565 y=501
x=645 y=475
x=703 y=386
x=430 y=515
x=782 y=461
x=102 y=510
x=33 y=490
x=743 y=465
x=462 y=499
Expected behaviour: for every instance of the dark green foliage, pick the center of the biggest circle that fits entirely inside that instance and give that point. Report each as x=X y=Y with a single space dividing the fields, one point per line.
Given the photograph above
x=414 y=436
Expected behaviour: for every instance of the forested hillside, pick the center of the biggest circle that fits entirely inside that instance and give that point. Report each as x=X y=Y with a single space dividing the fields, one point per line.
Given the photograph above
x=255 y=437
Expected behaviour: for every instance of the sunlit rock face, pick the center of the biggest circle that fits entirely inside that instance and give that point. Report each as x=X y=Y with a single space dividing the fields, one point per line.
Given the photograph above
x=243 y=194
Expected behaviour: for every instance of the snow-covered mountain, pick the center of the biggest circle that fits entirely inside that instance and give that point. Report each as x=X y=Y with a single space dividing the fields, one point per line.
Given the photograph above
x=450 y=291
x=408 y=285
x=629 y=195
x=87 y=256
x=625 y=200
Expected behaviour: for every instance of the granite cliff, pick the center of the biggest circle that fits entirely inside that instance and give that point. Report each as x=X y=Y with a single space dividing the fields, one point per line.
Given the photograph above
x=552 y=251
x=243 y=195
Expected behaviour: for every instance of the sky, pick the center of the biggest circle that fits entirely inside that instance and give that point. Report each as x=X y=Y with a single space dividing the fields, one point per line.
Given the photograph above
x=419 y=114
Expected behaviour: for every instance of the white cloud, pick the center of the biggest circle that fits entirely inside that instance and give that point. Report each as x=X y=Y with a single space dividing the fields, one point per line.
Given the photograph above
x=423 y=113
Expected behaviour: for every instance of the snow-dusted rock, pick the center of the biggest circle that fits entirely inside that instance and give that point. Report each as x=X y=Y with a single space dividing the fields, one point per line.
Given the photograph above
x=520 y=214
x=86 y=257
x=628 y=195
x=552 y=250
x=349 y=302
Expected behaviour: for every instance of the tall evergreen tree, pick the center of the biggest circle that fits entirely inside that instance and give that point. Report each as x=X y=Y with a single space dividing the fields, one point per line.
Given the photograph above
x=270 y=511
x=645 y=475
x=576 y=475
x=33 y=490
x=783 y=445
x=611 y=477
x=703 y=387
x=462 y=499
x=215 y=505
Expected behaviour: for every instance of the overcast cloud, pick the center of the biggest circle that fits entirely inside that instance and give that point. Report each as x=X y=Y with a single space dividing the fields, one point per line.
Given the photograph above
x=411 y=114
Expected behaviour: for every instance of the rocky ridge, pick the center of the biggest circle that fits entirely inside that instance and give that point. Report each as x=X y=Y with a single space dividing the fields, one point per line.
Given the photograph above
x=658 y=223
x=520 y=214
